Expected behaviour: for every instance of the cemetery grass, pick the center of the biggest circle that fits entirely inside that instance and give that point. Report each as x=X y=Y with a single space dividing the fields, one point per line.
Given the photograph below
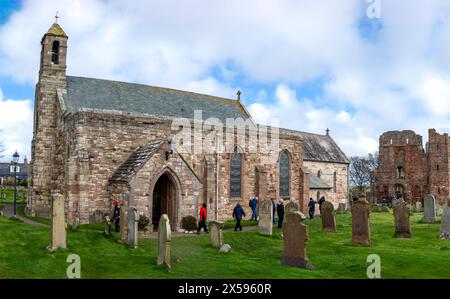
x=23 y=253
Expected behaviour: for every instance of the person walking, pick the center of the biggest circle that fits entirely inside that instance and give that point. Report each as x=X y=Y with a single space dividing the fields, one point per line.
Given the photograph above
x=274 y=211
x=238 y=213
x=116 y=216
x=312 y=208
x=254 y=206
x=280 y=212
x=321 y=201
x=202 y=219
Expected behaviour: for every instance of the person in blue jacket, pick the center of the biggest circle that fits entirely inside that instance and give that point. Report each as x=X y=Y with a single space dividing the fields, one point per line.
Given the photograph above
x=254 y=206
x=238 y=213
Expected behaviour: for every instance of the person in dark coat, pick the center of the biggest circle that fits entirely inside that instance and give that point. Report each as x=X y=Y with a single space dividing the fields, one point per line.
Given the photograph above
x=312 y=208
x=321 y=201
x=280 y=212
x=274 y=210
x=202 y=219
x=238 y=213
x=116 y=216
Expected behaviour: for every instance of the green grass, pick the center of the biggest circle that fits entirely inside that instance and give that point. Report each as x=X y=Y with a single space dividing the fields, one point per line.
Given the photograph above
x=232 y=223
x=23 y=253
x=9 y=194
x=43 y=220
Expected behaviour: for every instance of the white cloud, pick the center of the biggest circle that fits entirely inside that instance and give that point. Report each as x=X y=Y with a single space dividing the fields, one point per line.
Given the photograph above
x=16 y=127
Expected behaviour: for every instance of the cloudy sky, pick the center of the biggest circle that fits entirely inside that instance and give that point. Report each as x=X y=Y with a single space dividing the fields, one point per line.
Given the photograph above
x=311 y=64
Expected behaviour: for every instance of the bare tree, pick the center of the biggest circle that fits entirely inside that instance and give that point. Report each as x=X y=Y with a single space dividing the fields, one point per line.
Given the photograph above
x=362 y=171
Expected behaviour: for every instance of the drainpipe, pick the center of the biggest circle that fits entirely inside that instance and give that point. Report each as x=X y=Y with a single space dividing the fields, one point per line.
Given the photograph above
x=217 y=176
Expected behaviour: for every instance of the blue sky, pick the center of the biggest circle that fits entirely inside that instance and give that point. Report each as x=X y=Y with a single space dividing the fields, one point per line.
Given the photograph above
x=311 y=65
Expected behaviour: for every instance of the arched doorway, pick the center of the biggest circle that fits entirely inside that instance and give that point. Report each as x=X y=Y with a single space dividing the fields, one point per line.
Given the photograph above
x=164 y=200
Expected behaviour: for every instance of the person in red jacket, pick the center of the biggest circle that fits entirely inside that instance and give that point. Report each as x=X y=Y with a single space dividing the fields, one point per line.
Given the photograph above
x=202 y=219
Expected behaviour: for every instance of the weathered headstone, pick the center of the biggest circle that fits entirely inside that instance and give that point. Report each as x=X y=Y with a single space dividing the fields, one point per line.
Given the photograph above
x=445 y=222
x=295 y=237
x=265 y=224
x=429 y=209
x=58 y=233
x=225 y=248
x=328 y=219
x=132 y=227
x=401 y=219
x=292 y=207
x=361 y=222
x=123 y=223
x=107 y=226
x=164 y=238
x=216 y=233
x=342 y=207
x=385 y=209
x=75 y=224
x=419 y=207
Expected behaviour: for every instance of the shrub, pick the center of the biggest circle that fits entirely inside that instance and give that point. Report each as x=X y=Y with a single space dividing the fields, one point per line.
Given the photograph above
x=189 y=223
x=143 y=222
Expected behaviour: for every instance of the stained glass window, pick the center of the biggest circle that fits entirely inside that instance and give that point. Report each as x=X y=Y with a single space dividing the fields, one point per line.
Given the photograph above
x=235 y=174
x=284 y=174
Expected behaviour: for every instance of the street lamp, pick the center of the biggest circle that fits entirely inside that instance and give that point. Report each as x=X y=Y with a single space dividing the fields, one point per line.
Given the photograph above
x=15 y=160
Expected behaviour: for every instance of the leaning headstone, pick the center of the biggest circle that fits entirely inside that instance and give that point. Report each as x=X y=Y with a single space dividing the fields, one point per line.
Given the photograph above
x=295 y=237
x=291 y=207
x=445 y=222
x=361 y=222
x=132 y=227
x=58 y=233
x=107 y=226
x=328 y=219
x=401 y=220
x=265 y=223
x=216 y=233
x=429 y=209
x=164 y=238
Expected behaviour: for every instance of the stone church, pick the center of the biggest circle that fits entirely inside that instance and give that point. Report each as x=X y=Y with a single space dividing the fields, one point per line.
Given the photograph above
x=409 y=170
x=96 y=141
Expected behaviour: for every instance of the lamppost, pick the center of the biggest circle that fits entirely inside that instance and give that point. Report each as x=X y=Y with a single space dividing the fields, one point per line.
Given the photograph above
x=15 y=160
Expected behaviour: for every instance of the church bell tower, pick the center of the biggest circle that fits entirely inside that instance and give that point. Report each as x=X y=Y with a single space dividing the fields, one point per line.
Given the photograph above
x=52 y=77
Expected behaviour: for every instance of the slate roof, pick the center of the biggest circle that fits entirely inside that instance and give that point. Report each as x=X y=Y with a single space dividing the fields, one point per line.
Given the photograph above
x=320 y=148
x=316 y=183
x=89 y=93
x=136 y=160
x=5 y=171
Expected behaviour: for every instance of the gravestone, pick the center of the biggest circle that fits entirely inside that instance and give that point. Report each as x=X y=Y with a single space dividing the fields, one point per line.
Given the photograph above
x=295 y=238
x=328 y=219
x=361 y=222
x=429 y=209
x=342 y=207
x=132 y=227
x=225 y=248
x=75 y=224
x=58 y=229
x=291 y=207
x=216 y=233
x=419 y=207
x=107 y=226
x=385 y=209
x=401 y=220
x=265 y=224
x=445 y=222
x=164 y=238
x=123 y=223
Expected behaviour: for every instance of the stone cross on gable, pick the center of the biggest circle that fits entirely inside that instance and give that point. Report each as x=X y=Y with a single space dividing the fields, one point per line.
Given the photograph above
x=56 y=17
x=239 y=95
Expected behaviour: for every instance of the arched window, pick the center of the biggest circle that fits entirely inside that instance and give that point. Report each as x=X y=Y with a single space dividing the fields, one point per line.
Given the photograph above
x=235 y=173
x=55 y=52
x=335 y=182
x=285 y=169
